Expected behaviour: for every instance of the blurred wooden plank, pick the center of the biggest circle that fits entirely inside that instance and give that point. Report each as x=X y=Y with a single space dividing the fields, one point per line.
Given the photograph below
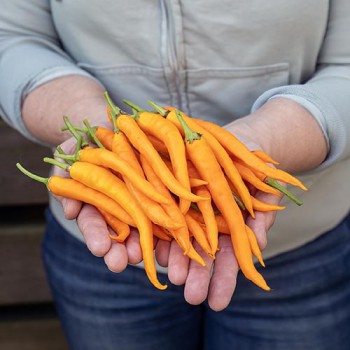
x=42 y=334
x=22 y=273
x=16 y=188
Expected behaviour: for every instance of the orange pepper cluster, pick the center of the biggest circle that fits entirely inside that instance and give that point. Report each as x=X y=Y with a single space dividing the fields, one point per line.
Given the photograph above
x=173 y=177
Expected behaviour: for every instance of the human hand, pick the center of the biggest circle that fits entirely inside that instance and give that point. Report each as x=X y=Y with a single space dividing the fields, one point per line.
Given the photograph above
x=217 y=280
x=94 y=228
x=77 y=97
x=275 y=128
x=199 y=282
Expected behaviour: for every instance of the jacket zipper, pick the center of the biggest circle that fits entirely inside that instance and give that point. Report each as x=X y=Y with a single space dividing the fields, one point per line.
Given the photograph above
x=172 y=61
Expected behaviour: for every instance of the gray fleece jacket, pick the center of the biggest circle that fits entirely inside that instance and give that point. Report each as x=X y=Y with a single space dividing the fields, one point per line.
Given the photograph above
x=215 y=60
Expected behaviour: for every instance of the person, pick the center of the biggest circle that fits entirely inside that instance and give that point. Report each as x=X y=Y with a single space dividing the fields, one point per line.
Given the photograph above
x=278 y=77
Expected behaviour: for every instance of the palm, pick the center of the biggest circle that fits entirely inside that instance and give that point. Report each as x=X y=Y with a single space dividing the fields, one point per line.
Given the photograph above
x=215 y=282
x=95 y=231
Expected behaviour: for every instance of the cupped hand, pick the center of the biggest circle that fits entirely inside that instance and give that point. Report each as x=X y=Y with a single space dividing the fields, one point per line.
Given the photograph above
x=94 y=228
x=216 y=281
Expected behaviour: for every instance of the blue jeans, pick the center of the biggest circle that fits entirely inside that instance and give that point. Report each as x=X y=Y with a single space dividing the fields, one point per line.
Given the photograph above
x=309 y=307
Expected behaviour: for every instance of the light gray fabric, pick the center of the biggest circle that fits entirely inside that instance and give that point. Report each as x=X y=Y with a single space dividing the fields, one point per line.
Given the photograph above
x=29 y=51
x=217 y=61
x=327 y=97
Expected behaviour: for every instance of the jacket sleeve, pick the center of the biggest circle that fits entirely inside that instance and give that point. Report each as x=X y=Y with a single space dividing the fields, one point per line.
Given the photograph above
x=30 y=54
x=327 y=94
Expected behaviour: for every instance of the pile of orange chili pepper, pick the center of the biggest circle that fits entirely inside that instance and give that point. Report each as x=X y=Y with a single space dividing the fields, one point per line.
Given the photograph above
x=173 y=177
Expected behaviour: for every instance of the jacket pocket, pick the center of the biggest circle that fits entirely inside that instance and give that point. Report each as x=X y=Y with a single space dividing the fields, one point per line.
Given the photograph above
x=134 y=82
x=224 y=94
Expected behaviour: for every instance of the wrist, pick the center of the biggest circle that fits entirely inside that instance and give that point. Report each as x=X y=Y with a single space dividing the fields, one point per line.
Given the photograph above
x=287 y=132
x=77 y=97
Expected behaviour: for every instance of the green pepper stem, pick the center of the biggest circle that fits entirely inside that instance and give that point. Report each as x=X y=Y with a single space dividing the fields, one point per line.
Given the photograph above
x=74 y=132
x=163 y=112
x=91 y=134
x=136 y=110
x=77 y=128
x=115 y=111
x=63 y=166
x=44 y=180
x=67 y=157
x=83 y=130
x=78 y=144
x=238 y=201
x=190 y=135
x=134 y=106
x=273 y=183
x=196 y=208
x=114 y=108
x=61 y=152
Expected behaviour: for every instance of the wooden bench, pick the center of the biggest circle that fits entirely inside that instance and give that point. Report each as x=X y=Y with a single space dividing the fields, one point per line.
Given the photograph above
x=27 y=317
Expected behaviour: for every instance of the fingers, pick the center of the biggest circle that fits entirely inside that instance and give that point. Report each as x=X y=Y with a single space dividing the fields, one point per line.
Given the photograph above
x=263 y=220
x=162 y=252
x=94 y=230
x=223 y=281
x=259 y=227
x=116 y=258
x=71 y=207
x=96 y=235
x=177 y=264
x=133 y=247
x=198 y=279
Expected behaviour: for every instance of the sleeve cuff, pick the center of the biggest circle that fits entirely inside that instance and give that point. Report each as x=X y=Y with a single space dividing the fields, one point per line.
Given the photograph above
x=322 y=110
x=41 y=66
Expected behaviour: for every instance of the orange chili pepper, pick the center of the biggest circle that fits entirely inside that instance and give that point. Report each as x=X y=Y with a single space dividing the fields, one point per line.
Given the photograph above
x=158 y=144
x=239 y=150
x=168 y=133
x=257 y=204
x=113 y=161
x=220 y=221
x=207 y=211
x=221 y=155
x=224 y=229
x=199 y=235
x=119 y=227
x=140 y=141
x=105 y=136
x=249 y=176
x=262 y=206
x=194 y=182
x=105 y=181
x=254 y=245
x=70 y=188
x=264 y=156
x=181 y=235
x=275 y=185
x=160 y=233
x=234 y=191
x=123 y=148
x=203 y=158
